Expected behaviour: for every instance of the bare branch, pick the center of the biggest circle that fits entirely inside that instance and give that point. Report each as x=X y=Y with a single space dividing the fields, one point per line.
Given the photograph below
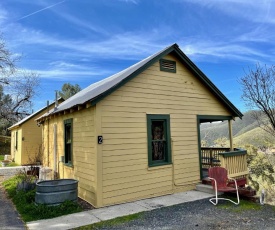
x=258 y=93
x=7 y=62
x=17 y=88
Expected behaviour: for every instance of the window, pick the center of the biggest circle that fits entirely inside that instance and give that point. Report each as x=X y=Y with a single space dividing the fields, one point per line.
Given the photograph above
x=159 y=145
x=167 y=65
x=16 y=140
x=68 y=137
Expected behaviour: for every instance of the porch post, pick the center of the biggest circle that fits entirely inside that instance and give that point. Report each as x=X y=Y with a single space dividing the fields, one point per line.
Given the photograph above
x=230 y=135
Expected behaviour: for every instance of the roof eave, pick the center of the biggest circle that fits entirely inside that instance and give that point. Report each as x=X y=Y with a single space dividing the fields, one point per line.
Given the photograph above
x=190 y=65
x=209 y=84
x=13 y=127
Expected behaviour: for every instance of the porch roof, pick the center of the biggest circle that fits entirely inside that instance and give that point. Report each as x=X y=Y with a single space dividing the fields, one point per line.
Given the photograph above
x=210 y=118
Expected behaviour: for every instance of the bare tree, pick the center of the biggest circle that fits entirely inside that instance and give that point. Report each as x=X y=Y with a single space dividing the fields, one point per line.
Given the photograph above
x=15 y=102
x=17 y=87
x=258 y=93
x=7 y=62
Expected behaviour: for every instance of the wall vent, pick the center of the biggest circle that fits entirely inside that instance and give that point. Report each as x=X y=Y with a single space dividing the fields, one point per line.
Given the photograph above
x=167 y=65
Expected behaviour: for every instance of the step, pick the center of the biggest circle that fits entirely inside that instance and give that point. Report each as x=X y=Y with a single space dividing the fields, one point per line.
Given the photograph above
x=207 y=189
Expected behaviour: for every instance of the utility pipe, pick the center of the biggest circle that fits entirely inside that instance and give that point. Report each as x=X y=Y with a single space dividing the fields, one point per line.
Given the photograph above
x=55 y=150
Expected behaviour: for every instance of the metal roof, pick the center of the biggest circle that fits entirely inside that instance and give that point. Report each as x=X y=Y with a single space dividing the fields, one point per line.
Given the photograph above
x=30 y=116
x=99 y=90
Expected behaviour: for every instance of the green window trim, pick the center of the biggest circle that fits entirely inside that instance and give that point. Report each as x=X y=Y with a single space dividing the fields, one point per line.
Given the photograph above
x=165 y=141
x=68 y=142
x=167 y=65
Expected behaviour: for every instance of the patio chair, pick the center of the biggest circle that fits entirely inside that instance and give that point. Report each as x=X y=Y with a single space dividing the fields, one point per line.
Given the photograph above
x=219 y=181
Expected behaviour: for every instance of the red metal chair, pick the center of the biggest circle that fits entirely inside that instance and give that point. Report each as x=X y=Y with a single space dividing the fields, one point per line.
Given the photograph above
x=219 y=181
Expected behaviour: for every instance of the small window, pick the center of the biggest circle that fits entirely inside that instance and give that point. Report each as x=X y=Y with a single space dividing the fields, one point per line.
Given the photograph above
x=68 y=140
x=16 y=140
x=167 y=65
x=159 y=146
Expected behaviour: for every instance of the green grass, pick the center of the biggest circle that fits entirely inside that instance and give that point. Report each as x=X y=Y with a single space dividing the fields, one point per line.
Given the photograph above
x=10 y=164
x=244 y=205
x=113 y=222
x=29 y=211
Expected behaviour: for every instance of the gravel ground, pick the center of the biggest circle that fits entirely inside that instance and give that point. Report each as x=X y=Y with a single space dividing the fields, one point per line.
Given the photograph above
x=202 y=215
x=9 y=217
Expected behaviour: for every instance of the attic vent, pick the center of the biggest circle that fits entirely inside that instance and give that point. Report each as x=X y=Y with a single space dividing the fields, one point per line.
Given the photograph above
x=167 y=65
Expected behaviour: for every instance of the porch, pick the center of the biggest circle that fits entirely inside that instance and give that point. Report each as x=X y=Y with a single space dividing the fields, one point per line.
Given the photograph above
x=233 y=160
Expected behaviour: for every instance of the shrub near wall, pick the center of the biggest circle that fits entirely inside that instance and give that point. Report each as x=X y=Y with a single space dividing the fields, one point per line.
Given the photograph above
x=5 y=145
x=262 y=172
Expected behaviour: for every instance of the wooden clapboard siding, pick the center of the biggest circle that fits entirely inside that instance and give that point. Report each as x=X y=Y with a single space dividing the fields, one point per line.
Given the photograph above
x=125 y=172
x=127 y=189
x=156 y=191
x=16 y=152
x=30 y=140
x=113 y=180
x=84 y=150
x=13 y=150
x=31 y=145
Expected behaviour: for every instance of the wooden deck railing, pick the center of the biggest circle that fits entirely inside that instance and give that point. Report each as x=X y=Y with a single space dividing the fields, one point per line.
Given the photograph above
x=234 y=161
x=210 y=156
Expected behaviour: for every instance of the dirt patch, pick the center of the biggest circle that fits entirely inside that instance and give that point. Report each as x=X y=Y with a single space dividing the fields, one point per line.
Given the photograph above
x=84 y=204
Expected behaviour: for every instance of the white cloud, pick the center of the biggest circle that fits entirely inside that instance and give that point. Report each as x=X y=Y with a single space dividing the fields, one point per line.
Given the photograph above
x=3 y=16
x=64 y=65
x=135 y=44
x=253 y=11
x=129 y=45
x=40 y=10
x=223 y=50
x=130 y=1
x=79 y=22
x=71 y=74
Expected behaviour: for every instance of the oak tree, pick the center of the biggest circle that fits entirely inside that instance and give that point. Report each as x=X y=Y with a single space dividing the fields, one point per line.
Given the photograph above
x=69 y=90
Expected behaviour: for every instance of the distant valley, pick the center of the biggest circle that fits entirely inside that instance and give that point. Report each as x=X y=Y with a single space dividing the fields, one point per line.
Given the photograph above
x=245 y=131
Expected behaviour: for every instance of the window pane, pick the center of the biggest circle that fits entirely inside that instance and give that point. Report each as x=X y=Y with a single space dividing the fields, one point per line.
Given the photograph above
x=68 y=152
x=68 y=128
x=158 y=140
x=68 y=133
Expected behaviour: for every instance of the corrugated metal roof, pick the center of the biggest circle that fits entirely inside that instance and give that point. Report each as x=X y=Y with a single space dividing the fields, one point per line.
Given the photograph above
x=28 y=117
x=96 y=89
x=99 y=89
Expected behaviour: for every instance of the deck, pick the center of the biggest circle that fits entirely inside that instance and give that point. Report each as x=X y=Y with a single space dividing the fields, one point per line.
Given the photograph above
x=234 y=161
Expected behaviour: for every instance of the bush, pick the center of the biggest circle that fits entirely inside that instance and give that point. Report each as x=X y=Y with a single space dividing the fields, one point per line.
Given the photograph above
x=261 y=171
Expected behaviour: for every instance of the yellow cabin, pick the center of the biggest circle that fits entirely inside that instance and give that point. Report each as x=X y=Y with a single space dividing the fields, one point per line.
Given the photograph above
x=26 y=138
x=135 y=134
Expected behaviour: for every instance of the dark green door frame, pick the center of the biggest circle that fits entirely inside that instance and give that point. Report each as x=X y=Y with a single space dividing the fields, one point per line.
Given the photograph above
x=204 y=119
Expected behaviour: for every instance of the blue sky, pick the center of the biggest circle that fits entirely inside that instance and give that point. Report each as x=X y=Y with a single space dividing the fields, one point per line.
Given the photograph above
x=83 y=41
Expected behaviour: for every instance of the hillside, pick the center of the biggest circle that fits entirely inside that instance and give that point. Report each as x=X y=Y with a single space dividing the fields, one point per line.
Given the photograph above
x=245 y=131
x=256 y=137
